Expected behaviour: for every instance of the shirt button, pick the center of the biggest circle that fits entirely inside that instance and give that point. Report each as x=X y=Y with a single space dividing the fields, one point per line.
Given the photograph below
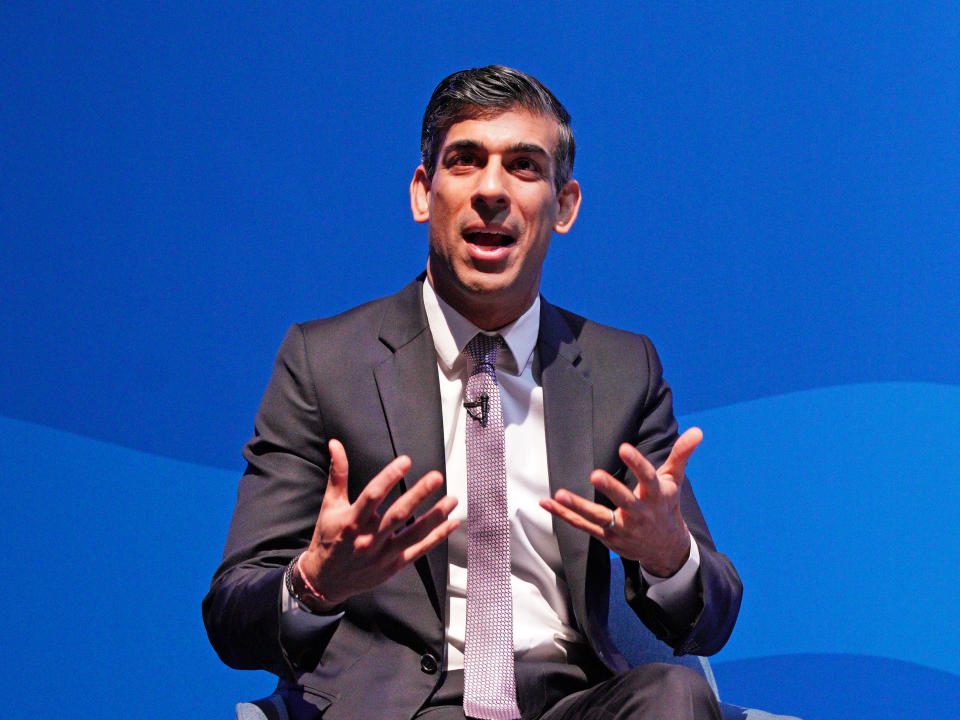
x=429 y=663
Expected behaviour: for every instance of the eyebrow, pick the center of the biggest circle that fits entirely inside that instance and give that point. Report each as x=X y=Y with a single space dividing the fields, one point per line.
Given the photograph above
x=520 y=147
x=532 y=148
x=463 y=145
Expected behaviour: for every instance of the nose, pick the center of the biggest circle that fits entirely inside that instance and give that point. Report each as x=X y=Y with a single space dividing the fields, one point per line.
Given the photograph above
x=491 y=189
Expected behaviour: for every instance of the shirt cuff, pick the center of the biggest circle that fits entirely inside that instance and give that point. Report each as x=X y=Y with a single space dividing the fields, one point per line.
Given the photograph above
x=676 y=591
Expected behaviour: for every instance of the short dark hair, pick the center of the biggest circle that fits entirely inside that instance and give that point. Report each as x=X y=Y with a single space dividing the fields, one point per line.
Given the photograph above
x=486 y=92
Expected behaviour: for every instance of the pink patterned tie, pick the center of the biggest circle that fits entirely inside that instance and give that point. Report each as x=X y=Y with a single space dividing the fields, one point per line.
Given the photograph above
x=490 y=690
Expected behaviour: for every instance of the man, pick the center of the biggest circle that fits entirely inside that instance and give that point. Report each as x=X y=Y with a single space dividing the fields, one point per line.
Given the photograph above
x=436 y=478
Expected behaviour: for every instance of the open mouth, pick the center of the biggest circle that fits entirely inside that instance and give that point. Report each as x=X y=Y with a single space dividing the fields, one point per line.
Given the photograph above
x=486 y=239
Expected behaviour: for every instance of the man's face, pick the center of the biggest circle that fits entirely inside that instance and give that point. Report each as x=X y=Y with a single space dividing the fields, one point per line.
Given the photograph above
x=492 y=207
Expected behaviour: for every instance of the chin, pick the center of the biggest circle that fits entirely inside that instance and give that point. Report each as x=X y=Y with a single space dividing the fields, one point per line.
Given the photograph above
x=486 y=284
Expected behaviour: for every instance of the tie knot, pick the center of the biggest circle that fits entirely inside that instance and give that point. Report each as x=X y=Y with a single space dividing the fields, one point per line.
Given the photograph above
x=483 y=351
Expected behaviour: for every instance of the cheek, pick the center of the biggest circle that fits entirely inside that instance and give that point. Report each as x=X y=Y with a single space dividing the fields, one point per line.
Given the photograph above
x=440 y=209
x=442 y=231
x=544 y=208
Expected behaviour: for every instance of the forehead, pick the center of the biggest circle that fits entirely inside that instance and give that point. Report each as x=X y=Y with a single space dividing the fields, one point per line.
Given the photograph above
x=505 y=130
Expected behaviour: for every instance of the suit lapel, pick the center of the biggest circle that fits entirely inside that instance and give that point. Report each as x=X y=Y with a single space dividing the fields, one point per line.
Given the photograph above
x=570 y=428
x=410 y=394
x=568 y=412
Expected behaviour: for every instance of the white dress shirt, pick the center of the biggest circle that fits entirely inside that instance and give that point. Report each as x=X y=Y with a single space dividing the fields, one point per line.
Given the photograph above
x=542 y=617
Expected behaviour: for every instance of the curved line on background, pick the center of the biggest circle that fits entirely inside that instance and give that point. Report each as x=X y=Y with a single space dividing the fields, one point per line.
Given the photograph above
x=817 y=686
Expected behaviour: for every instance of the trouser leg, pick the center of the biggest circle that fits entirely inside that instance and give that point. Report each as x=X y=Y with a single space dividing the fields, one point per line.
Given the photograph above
x=654 y=691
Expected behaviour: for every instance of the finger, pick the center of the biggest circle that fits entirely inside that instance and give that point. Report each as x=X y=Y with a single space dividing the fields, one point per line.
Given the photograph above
x=595 y=514
x=380 y=486
x=573 y=518
x=416 y=531
x=647 y=483
x=683 y=448
x=433 y=538
x=338 y=473
x=615 y=491
x=405 y=506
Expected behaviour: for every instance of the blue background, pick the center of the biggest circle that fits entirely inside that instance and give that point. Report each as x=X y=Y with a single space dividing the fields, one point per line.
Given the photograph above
x=770 y=192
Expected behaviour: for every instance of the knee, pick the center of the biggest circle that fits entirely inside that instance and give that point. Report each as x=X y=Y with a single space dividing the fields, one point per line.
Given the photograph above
x=676 y=679
x=651 y=691
x=681 y=689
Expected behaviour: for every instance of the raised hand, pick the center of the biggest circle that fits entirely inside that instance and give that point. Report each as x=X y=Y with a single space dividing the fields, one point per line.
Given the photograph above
x=355 y=547
x=646 y=524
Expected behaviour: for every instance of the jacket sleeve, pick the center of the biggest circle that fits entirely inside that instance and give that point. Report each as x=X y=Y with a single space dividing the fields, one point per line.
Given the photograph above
x=278 y=501
x=718 y=586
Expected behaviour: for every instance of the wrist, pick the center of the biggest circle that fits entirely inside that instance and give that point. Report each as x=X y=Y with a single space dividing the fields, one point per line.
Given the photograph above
x=304 y=591
x=668 y=568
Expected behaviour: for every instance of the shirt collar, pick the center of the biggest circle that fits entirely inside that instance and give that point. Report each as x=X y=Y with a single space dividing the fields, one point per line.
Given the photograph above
x=452 y=331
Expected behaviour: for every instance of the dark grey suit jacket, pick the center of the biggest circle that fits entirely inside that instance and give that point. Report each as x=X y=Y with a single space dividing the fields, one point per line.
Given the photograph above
x=369 y=378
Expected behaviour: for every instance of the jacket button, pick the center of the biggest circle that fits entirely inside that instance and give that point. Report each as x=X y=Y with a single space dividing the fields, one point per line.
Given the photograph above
x=429 y=663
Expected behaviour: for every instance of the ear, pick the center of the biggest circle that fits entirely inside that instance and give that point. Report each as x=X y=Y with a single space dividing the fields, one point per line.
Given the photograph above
x=568 y=202
x=420 y=195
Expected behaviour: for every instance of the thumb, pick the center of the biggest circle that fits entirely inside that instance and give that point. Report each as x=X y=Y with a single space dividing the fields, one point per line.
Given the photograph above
x=337 y=475
x=683 y=448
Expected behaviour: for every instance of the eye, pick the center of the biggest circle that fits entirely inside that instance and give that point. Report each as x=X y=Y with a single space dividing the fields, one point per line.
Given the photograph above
x=526 y=167
x=462 y=159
